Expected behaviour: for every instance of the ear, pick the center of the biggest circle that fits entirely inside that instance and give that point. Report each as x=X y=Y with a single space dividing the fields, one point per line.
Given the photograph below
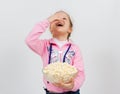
x=70 y=30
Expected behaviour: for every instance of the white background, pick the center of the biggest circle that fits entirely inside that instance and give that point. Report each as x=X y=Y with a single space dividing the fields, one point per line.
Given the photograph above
x=96 y=31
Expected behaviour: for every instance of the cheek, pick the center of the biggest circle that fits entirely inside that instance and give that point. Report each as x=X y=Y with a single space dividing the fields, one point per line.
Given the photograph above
x=67 y=26
x=52 y=26
x=51 y=29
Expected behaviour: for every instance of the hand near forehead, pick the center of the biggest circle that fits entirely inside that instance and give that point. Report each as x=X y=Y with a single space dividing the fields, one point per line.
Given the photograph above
x=55 y=16
x=52 y=18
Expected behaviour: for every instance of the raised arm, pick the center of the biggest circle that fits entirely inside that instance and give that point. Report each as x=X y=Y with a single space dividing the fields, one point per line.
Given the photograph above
x=33 y=41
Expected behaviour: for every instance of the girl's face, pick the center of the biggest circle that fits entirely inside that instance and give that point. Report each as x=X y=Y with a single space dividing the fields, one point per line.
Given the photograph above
x=61 y=25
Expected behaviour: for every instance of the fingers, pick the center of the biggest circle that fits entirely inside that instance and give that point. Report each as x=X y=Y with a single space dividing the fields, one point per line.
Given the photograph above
x=54 y=17
x=68 y=86
x=57 y=84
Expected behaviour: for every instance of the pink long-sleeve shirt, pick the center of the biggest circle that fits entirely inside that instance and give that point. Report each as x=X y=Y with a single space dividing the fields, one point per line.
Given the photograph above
x=41 y=47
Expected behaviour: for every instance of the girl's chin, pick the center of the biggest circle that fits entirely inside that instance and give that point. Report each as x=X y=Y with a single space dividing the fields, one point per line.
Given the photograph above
x=59 y=29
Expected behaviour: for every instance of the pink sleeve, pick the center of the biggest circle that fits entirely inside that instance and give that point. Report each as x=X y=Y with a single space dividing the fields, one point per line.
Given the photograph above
x=33 y=41
x=78 y=63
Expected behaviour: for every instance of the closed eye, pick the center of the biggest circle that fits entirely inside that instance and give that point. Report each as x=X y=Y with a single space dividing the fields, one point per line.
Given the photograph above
x=64 y=18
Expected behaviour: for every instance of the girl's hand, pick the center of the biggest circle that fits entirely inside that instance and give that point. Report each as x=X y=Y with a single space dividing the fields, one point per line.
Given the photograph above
x=68 y=85
x=55 y=16
x=52 y=18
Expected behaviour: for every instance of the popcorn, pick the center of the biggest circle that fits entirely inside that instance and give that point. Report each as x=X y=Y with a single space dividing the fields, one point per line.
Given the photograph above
x=57 y=72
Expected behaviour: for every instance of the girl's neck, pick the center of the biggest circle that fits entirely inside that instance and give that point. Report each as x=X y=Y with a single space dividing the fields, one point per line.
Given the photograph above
x=60 y=38
x=60 y=43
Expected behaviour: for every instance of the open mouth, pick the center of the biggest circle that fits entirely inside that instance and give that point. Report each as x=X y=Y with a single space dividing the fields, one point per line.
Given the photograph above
x=60 y=24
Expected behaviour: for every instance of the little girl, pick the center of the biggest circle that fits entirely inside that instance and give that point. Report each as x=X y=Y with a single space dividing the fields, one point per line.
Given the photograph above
x=58 y=49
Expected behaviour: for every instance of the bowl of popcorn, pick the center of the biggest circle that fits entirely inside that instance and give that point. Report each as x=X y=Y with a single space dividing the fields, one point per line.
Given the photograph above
x=59 y=71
